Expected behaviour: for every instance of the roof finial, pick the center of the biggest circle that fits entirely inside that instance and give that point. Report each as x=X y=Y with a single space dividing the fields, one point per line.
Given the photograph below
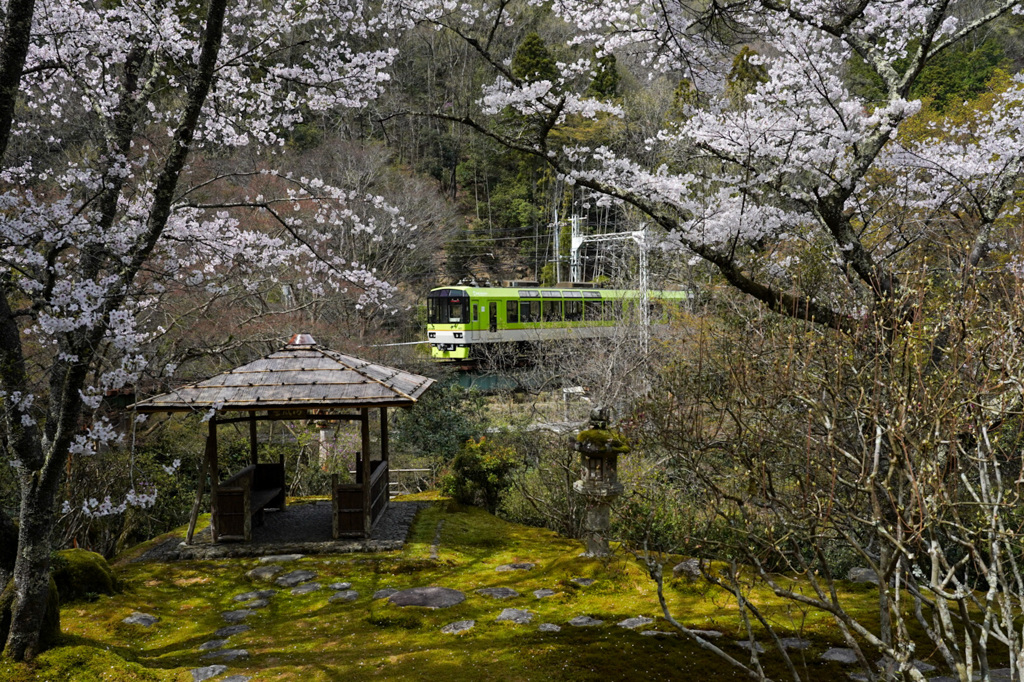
x=302 y=340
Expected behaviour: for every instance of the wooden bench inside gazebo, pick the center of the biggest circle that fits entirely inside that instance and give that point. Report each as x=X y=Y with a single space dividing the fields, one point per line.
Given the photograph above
x=302 y=381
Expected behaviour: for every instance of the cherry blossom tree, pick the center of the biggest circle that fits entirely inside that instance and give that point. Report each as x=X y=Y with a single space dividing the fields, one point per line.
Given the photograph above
x=864 y=215
x=803 y=169
x=104 y=107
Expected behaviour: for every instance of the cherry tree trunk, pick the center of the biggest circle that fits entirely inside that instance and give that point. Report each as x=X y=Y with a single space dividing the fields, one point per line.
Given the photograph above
x=32 y=566
x=8 y=548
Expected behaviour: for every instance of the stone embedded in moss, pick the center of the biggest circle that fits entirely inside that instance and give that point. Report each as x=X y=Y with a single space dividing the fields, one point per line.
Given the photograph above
x=601 y=442
x=81 y=574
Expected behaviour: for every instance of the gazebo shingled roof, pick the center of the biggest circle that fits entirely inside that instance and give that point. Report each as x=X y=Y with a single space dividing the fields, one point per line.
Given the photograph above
x=300 y=381
x=299 y=376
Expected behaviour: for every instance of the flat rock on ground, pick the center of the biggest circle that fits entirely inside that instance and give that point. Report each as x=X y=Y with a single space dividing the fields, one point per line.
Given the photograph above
x=747 y=646
x=518 y=616
x=794 y=643
x=306 y=589
x=205 y=673
x=498 y=592
x=343 y=595
x=232 y=630
x=138 y=618
x=585 y=622
x=428 y=597
x=256 y=604
x=274 y=558
x=583 y=582
x=549 y=627
x=237 y=615
x=707 y=634
x=458 y=626
x=543 y=592
x=518 y=566
x=859 y=574
x=657 y=633
x=840 y=655
x=687 y=569
x=293 y=578
x=634 y=623
x=227 y=655
x=340 y=586
x=264 y=573
x=259 y=594
x=212 y=644
x=384 y=593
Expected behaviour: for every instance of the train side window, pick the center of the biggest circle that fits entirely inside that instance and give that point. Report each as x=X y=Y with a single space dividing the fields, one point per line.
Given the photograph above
x=529 y=311
x=592 y=309
x=573 y=311
x=476 y=313
x=512 y=312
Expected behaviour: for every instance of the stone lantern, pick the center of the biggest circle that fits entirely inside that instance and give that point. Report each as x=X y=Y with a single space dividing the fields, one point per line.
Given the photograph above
x=599 y=449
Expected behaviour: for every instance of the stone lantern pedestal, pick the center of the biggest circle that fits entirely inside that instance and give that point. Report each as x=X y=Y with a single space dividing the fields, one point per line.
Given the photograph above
x=599 y=449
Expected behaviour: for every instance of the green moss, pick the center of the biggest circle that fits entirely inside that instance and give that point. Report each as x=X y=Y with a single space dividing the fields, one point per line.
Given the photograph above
x=602 y=441
x=81 y=574
x=81 y=663
x=308 y=638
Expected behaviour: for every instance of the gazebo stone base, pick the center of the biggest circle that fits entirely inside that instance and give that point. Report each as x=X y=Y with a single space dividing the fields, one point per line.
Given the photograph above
x=309 y=536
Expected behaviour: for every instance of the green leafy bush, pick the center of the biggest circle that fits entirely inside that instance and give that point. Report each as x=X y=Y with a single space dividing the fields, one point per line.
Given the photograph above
x=480 y=473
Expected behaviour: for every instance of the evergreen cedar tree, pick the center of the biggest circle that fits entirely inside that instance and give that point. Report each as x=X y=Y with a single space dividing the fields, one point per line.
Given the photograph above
x=792 y=164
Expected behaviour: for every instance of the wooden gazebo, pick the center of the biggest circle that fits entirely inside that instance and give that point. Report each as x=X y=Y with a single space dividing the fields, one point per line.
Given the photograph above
x=300 y=381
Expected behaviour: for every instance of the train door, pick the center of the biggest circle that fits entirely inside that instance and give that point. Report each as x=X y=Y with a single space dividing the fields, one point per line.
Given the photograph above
x=492 y=314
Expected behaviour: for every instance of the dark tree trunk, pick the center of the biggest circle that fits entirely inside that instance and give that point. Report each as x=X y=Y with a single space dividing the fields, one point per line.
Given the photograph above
x=32 y=570
x=41 y=456
x=17 y=32
x=8 y=548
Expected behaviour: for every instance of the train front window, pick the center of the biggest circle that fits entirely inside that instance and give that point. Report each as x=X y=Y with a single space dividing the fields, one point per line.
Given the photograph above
x=448 y=310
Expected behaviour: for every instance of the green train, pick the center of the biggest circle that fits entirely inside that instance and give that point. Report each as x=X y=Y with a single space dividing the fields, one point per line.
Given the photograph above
x=461 y=321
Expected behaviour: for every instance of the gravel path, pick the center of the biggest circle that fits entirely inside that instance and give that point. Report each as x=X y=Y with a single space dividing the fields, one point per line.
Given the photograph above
x=300 y=529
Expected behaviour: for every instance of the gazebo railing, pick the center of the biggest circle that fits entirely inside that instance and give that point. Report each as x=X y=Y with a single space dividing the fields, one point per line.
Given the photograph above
x=351 y=509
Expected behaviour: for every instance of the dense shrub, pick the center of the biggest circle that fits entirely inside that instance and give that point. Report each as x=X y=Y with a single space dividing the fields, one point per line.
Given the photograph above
x=434 y=429
x=480 y=473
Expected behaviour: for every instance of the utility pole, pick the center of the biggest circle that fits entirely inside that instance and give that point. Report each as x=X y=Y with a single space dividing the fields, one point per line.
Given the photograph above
x=558 y=250
x=640 y=238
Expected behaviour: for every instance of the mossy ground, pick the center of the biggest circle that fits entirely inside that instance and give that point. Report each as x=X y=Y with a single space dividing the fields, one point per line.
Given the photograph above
x=307 y=638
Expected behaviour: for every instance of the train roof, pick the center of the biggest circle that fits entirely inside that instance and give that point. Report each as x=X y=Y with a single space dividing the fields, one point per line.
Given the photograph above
x=548 y=292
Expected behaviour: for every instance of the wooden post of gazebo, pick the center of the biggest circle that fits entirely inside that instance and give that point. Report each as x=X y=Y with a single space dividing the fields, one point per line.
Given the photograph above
x=211 y=466
x=301 y=381
x=366 y=471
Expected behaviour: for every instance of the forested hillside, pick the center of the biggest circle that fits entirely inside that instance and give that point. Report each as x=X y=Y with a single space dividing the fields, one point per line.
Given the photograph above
x=838 y=185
